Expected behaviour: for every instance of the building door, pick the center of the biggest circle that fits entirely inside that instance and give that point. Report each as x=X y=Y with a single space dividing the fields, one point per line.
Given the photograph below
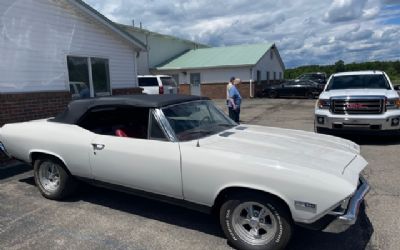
x=195 y=84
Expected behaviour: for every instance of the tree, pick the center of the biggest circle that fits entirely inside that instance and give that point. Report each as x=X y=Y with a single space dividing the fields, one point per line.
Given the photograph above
x=339 y=66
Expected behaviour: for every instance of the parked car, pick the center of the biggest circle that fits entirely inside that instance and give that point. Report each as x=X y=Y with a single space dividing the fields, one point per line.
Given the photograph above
x=358 y=101
x=319 y=77
x=157 y=84
x=260 y=181
x=303 y=88
x=79 y=90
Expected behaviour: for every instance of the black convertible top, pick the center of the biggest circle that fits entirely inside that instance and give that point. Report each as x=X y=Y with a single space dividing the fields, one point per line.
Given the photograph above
x=77 y=108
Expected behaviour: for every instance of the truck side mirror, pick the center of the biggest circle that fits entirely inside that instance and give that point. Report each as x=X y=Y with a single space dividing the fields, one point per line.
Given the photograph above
x=397 y=87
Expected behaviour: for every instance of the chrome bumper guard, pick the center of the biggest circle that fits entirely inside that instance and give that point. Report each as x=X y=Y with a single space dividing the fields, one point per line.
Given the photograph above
x=3 y=149
x=352 y=211
x=343 y=222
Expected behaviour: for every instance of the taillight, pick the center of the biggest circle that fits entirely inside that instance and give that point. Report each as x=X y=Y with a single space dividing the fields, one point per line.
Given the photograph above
x=161 y=90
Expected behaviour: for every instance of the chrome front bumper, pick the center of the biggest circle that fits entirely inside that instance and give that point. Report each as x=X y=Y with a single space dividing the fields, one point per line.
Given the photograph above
x=343 y=222
x=379 y=122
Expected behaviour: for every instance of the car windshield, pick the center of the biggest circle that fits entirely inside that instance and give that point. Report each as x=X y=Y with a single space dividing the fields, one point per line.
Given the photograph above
x=194 y=120
x=358 y=82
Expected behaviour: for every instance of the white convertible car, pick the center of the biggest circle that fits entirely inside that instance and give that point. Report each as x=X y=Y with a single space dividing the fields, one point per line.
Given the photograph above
x=260 y=181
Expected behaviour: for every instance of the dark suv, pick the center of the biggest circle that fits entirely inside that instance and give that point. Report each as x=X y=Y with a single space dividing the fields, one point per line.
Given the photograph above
x=318 y=77
x=292 y=88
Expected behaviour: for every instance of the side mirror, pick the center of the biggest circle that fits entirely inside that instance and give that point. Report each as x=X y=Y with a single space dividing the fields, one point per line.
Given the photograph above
x=397 y=87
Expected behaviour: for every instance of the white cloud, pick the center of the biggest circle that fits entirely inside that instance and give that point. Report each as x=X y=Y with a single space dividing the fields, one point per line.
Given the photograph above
x=308 y=31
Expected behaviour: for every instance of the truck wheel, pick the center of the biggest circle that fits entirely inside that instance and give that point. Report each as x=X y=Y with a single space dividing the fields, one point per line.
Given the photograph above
x=255 y=222
x=52 y=179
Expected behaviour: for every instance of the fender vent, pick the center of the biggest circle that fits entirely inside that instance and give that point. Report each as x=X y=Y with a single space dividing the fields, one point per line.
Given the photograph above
x=226 y=134
x=241 y=128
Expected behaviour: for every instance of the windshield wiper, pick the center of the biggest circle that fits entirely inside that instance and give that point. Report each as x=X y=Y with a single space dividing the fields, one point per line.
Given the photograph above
x=206 y=132
x=225 y=125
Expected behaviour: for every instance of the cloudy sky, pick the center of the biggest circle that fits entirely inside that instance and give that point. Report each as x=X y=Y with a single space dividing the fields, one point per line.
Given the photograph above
x=305 y=31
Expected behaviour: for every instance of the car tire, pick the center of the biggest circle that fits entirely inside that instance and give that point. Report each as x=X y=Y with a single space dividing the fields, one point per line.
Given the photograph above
x=269 y=227
x=272 y=94
x=52 y=178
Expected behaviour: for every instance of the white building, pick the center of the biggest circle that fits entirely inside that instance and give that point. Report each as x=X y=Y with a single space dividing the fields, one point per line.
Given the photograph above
x=206 y=71
x=48 y=46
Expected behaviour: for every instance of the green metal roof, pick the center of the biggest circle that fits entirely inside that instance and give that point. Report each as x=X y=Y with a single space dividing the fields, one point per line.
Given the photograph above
x=130 y=29
x=238 y=55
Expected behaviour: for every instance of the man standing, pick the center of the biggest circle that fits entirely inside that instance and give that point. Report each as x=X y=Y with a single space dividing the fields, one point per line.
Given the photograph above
x=234 y=101
x=229 y=102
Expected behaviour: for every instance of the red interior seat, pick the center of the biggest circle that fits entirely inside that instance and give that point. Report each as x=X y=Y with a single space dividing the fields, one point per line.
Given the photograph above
x=120 y=133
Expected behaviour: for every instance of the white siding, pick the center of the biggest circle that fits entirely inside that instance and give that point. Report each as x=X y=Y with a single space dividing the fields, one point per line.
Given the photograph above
x=266 y=64
x=37 y=35
x=161 y=49
x=216 y=75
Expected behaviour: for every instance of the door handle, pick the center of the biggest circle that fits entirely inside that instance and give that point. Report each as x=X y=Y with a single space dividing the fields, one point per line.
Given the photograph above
x=98 y=146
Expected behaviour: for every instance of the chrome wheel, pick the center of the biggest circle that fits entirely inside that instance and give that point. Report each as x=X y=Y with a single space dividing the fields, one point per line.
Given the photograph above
x=254 y=223
x=49 y=176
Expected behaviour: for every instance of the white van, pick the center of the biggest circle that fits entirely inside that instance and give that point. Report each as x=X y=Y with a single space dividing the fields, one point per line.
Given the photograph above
x=157 y=84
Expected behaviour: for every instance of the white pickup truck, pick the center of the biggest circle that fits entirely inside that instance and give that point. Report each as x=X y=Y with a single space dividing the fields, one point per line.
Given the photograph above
x=358 y=101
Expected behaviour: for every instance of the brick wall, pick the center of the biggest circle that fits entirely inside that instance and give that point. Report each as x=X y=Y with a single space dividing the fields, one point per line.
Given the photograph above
x=28 y=106
x=218 y=90
x=184 y=89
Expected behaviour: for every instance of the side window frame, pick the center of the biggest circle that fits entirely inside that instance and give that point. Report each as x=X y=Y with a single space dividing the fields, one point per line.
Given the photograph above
x=164 y=124
x=150 y=126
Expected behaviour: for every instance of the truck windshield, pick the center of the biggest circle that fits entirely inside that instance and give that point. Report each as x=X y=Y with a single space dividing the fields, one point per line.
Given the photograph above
x=168 y=81
x=194 y=120
x=358 y=82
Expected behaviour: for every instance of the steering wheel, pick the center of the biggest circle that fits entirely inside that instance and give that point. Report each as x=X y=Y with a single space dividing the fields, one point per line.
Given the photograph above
x=205 y=120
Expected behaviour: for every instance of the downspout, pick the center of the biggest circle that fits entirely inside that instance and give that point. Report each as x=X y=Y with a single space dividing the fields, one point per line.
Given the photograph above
x=148 y=51
x=251 y=83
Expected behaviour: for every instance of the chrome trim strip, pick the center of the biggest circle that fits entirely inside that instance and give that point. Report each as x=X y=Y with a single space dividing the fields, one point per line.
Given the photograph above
x=165 y=126
x=368 y=97
x=354 y=205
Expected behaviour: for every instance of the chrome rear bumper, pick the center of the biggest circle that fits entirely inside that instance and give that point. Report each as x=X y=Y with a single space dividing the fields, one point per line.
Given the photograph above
x=343 y=222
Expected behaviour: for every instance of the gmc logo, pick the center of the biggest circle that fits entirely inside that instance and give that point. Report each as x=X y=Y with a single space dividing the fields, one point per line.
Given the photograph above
x=356 y=106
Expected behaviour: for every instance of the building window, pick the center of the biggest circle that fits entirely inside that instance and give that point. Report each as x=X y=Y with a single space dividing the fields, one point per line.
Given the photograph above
x=280 y=75
x=274 y=75
x=258 y=76
x=267 y=75
x=88 y=76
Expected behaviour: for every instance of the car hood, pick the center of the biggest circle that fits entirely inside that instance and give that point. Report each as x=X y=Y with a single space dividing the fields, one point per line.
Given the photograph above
x=359 y=92
x=286 y=148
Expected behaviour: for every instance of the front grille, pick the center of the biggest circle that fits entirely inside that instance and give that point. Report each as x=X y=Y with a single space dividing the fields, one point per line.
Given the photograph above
x=358 y=106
